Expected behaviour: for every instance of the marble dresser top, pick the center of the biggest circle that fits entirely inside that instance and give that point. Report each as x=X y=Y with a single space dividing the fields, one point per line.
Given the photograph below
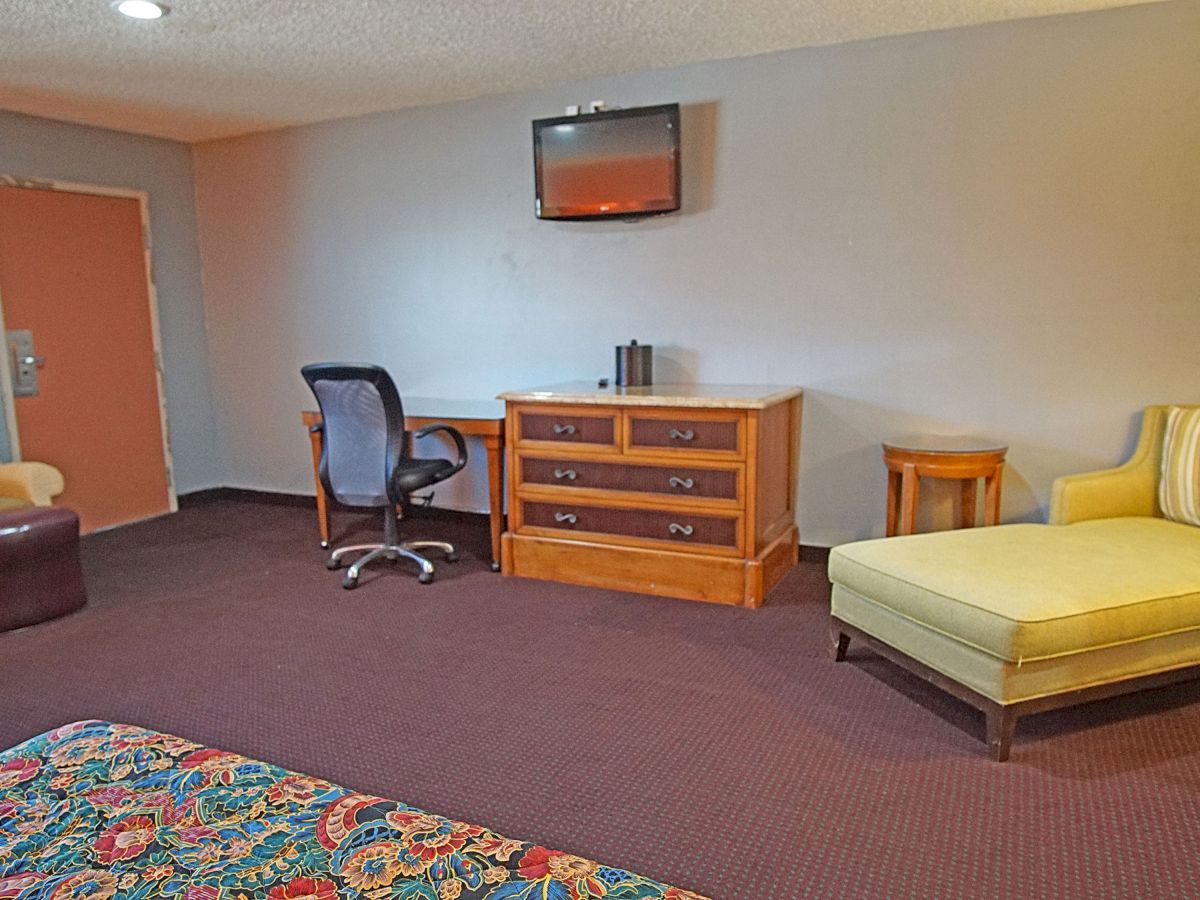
x=698 y=396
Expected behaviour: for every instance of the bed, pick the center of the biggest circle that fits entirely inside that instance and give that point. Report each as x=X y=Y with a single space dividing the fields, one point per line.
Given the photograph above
x=98 y=810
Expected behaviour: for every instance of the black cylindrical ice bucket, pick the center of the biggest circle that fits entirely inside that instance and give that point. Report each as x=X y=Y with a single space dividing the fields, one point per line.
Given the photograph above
x=635 y=364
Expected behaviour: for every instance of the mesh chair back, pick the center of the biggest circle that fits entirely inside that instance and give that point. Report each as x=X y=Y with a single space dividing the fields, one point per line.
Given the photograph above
x=364 y=431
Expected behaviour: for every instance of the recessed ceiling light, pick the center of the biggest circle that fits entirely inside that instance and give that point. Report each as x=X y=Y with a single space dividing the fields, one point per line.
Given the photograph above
x=140 y=9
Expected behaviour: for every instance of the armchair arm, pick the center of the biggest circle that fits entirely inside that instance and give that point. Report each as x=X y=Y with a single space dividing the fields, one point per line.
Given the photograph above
x=454 y=433
x=1109 y=493
x=32 y=482
x=1130 y=489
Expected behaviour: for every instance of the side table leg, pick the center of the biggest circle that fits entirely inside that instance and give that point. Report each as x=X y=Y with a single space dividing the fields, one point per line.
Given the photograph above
x=991 y=508
x=970 y=489
x=893 y=494
x=910 y=489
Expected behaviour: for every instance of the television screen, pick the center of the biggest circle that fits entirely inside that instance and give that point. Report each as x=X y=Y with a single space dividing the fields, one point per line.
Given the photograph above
x=614 y=163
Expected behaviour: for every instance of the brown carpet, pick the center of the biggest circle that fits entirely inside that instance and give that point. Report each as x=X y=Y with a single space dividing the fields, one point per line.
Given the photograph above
x=710 y=747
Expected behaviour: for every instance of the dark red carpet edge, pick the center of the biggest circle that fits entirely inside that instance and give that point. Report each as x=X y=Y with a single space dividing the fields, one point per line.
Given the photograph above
x=711 y=747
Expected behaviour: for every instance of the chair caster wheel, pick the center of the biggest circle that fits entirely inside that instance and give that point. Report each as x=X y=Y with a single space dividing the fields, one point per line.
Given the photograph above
x=495 y=567
x=453 y=557
x=333 y=564
x=425 y=578
x=349 y=583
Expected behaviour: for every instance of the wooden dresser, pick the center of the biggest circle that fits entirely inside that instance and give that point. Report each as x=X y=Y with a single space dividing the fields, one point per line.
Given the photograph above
x=684 y=491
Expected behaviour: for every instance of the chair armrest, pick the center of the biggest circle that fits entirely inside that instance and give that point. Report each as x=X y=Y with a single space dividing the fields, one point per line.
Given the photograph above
x=1109 y=493
x=454 y=433
x=1130 y=489
x=32 y=482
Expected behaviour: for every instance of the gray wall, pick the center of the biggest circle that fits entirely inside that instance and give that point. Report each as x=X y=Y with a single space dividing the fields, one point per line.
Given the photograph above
x=993 y=230
x=41 y=148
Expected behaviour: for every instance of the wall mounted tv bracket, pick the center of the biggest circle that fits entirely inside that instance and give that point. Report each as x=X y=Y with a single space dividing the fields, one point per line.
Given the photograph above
x=594 y=107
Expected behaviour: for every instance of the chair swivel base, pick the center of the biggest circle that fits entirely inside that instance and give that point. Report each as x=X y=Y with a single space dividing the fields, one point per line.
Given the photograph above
x=373 y=552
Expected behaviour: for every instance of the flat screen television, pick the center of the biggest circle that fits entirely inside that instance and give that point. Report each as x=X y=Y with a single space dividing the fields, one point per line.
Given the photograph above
x=612 y=164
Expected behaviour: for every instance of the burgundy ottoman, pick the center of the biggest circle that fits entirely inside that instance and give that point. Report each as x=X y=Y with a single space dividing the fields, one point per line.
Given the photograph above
x=40 y=576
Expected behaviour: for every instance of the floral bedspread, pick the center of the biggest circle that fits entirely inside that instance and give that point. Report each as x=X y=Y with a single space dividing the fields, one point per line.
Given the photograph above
x=96 y=810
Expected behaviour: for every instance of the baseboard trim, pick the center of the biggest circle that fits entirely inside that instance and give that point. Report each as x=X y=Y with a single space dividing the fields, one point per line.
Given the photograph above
x=244 y=495
x=304 y=501
x=809 y=553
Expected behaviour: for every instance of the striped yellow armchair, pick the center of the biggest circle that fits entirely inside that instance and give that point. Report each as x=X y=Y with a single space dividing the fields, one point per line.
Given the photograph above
x=1130 y=489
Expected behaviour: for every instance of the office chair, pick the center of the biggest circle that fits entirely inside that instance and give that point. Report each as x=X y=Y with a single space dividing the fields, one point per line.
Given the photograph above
x=365 y=459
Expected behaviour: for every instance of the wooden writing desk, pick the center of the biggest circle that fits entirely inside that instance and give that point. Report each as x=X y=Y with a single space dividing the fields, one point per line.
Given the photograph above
x=483 y=418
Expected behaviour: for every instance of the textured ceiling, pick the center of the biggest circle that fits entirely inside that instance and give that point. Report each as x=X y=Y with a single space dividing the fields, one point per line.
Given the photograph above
x=214 y=68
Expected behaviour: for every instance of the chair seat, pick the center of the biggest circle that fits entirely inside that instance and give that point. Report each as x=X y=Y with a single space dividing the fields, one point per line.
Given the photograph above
x=1029 y=592
x=414 y=474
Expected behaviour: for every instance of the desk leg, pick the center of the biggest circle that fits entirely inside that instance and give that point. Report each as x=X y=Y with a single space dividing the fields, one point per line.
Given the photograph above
x=893 y=496
x=315 y=438
x=991 y=503
x=495 y=467
x=970 y=488
x=910 y=487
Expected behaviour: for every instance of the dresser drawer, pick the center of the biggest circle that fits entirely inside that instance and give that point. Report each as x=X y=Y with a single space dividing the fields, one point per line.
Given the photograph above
x=668 y=479
x=684 y=431
x=677 y=527
x=548 y=426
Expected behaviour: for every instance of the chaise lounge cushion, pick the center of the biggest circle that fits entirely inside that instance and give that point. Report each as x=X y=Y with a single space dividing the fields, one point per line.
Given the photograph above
x=1023 y=593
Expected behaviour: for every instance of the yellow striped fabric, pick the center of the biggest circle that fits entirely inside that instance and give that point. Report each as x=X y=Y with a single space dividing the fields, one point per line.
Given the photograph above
x=1179 y=486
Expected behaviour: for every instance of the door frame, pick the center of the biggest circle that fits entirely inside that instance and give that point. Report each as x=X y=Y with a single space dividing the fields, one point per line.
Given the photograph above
x=6 y=387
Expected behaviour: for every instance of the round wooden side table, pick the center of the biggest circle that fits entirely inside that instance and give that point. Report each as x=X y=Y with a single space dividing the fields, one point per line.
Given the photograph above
x=962 y=459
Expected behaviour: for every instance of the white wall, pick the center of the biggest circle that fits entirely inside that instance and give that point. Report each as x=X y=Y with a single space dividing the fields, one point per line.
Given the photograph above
x=41 y=148
x=992 y=230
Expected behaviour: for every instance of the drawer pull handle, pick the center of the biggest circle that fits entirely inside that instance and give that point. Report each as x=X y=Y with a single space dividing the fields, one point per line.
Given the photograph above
x=564 y=429
x=685 y=483
x=569 y=474
x=676 y=528
x=569 y=518
x=677 y=435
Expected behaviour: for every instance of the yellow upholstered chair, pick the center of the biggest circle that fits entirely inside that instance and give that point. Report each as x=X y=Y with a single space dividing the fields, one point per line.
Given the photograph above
x=29 y=484
x=1130 y=489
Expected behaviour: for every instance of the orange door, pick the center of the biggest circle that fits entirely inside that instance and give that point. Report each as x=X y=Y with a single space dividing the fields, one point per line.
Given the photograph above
x=73 y=272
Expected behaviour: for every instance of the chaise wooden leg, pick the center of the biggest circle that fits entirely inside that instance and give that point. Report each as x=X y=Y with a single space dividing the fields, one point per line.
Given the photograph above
x=1001 y=723
x=838 y=643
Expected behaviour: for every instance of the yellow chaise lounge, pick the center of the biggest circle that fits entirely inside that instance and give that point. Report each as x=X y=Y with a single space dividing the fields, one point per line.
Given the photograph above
x=1017 y=619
